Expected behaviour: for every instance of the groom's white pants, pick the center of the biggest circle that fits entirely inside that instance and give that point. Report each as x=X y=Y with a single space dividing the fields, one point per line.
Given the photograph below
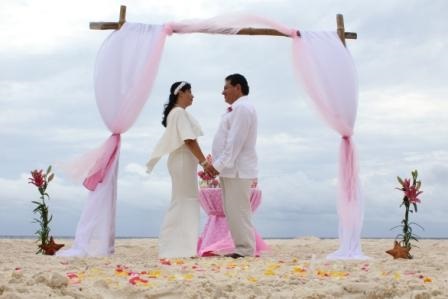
x=236 y=205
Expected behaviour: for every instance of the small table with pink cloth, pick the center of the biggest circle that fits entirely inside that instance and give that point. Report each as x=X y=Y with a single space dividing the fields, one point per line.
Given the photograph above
x=216 y=237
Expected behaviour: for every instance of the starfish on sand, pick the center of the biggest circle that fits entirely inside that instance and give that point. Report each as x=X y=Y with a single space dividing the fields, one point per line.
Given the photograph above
x=399 y=252
x=51 y=247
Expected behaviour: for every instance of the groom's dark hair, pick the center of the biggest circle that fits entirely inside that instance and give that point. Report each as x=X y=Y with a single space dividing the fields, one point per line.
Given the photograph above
x=235 y=79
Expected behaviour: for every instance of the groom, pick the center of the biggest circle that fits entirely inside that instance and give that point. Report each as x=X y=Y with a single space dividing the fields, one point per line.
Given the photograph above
x=235 y=159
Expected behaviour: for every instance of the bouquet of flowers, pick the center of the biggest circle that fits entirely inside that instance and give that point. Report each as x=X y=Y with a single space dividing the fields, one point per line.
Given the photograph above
x=410 y=200
x=41 y=181
x=208 y=181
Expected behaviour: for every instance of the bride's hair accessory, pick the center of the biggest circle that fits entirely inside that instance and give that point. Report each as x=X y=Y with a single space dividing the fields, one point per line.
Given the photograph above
x=179 y=87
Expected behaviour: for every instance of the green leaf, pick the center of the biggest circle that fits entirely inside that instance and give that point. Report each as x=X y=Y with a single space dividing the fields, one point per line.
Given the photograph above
x=36 y=210
x=400 y=181
x=48 y=169
x=417 y=225
x=37 y=221
x=396 y=227
x=417 y=236
x=415 y=206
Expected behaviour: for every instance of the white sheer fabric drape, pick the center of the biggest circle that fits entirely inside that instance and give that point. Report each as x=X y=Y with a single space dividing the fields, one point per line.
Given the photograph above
x=125 y=69
x=227 y=24
x=326 y=69
x=95 y=233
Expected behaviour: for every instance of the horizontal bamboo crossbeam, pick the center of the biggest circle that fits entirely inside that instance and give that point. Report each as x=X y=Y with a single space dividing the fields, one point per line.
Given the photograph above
x=244 y=31
x=350 y=35
x=104 y=25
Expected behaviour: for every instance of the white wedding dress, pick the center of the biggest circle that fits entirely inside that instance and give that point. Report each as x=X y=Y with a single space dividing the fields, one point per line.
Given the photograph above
x=180 y=228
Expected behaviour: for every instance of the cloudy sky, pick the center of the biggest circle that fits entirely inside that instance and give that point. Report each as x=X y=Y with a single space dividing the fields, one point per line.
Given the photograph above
x=48 y=111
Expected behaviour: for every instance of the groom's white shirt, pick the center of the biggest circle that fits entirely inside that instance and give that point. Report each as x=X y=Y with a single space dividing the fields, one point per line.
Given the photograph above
x=233 y=148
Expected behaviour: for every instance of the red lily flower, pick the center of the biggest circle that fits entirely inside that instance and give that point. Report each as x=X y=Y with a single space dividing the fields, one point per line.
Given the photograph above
x=411 y=191
x=406 y=184
x=37 y=178
x=412 y=194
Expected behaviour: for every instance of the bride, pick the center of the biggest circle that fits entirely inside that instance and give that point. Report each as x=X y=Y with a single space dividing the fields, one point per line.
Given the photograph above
x=180 y=229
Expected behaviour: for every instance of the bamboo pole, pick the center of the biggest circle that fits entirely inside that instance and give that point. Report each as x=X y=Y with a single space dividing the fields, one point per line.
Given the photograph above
x=244 y=31
x=122 y=19
x=340 y=27
x=261 y=31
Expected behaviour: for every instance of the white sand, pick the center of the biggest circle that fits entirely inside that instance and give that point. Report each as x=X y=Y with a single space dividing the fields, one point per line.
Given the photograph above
x=293 y=269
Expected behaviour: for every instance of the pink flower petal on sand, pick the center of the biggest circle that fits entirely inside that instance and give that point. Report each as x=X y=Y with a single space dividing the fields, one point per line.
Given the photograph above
x=165 y=262
x=136 y=280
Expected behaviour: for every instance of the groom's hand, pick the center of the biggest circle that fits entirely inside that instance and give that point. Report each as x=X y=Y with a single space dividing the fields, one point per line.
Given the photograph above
x=210 y=170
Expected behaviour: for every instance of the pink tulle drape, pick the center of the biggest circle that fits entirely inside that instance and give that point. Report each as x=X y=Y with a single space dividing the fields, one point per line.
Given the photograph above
x=126 y=66
x=326 y=69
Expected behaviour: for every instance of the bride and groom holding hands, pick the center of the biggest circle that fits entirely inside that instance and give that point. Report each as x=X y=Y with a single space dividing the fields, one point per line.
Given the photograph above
x=234 y=160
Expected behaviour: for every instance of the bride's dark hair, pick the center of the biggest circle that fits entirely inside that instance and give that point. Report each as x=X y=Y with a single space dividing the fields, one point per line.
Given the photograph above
x=172 y=100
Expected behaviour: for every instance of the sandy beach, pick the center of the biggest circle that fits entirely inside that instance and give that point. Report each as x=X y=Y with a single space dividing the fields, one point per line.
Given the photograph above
x=294 y=268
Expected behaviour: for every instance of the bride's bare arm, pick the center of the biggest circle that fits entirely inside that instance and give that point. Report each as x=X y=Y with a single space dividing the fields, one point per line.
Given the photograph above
x=194 y=147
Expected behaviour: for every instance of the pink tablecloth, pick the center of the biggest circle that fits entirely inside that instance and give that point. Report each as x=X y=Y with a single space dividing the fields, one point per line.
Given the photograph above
x=216 y=237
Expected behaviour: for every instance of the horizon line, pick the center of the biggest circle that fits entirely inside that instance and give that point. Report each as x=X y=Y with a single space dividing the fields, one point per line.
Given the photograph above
x=265 y=238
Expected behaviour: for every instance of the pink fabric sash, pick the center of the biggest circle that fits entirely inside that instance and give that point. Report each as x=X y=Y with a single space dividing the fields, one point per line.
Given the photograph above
x=108 y=152
x=348 y=168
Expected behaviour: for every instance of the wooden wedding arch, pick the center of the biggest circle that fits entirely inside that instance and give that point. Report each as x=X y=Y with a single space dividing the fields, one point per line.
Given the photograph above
x=332 y=86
